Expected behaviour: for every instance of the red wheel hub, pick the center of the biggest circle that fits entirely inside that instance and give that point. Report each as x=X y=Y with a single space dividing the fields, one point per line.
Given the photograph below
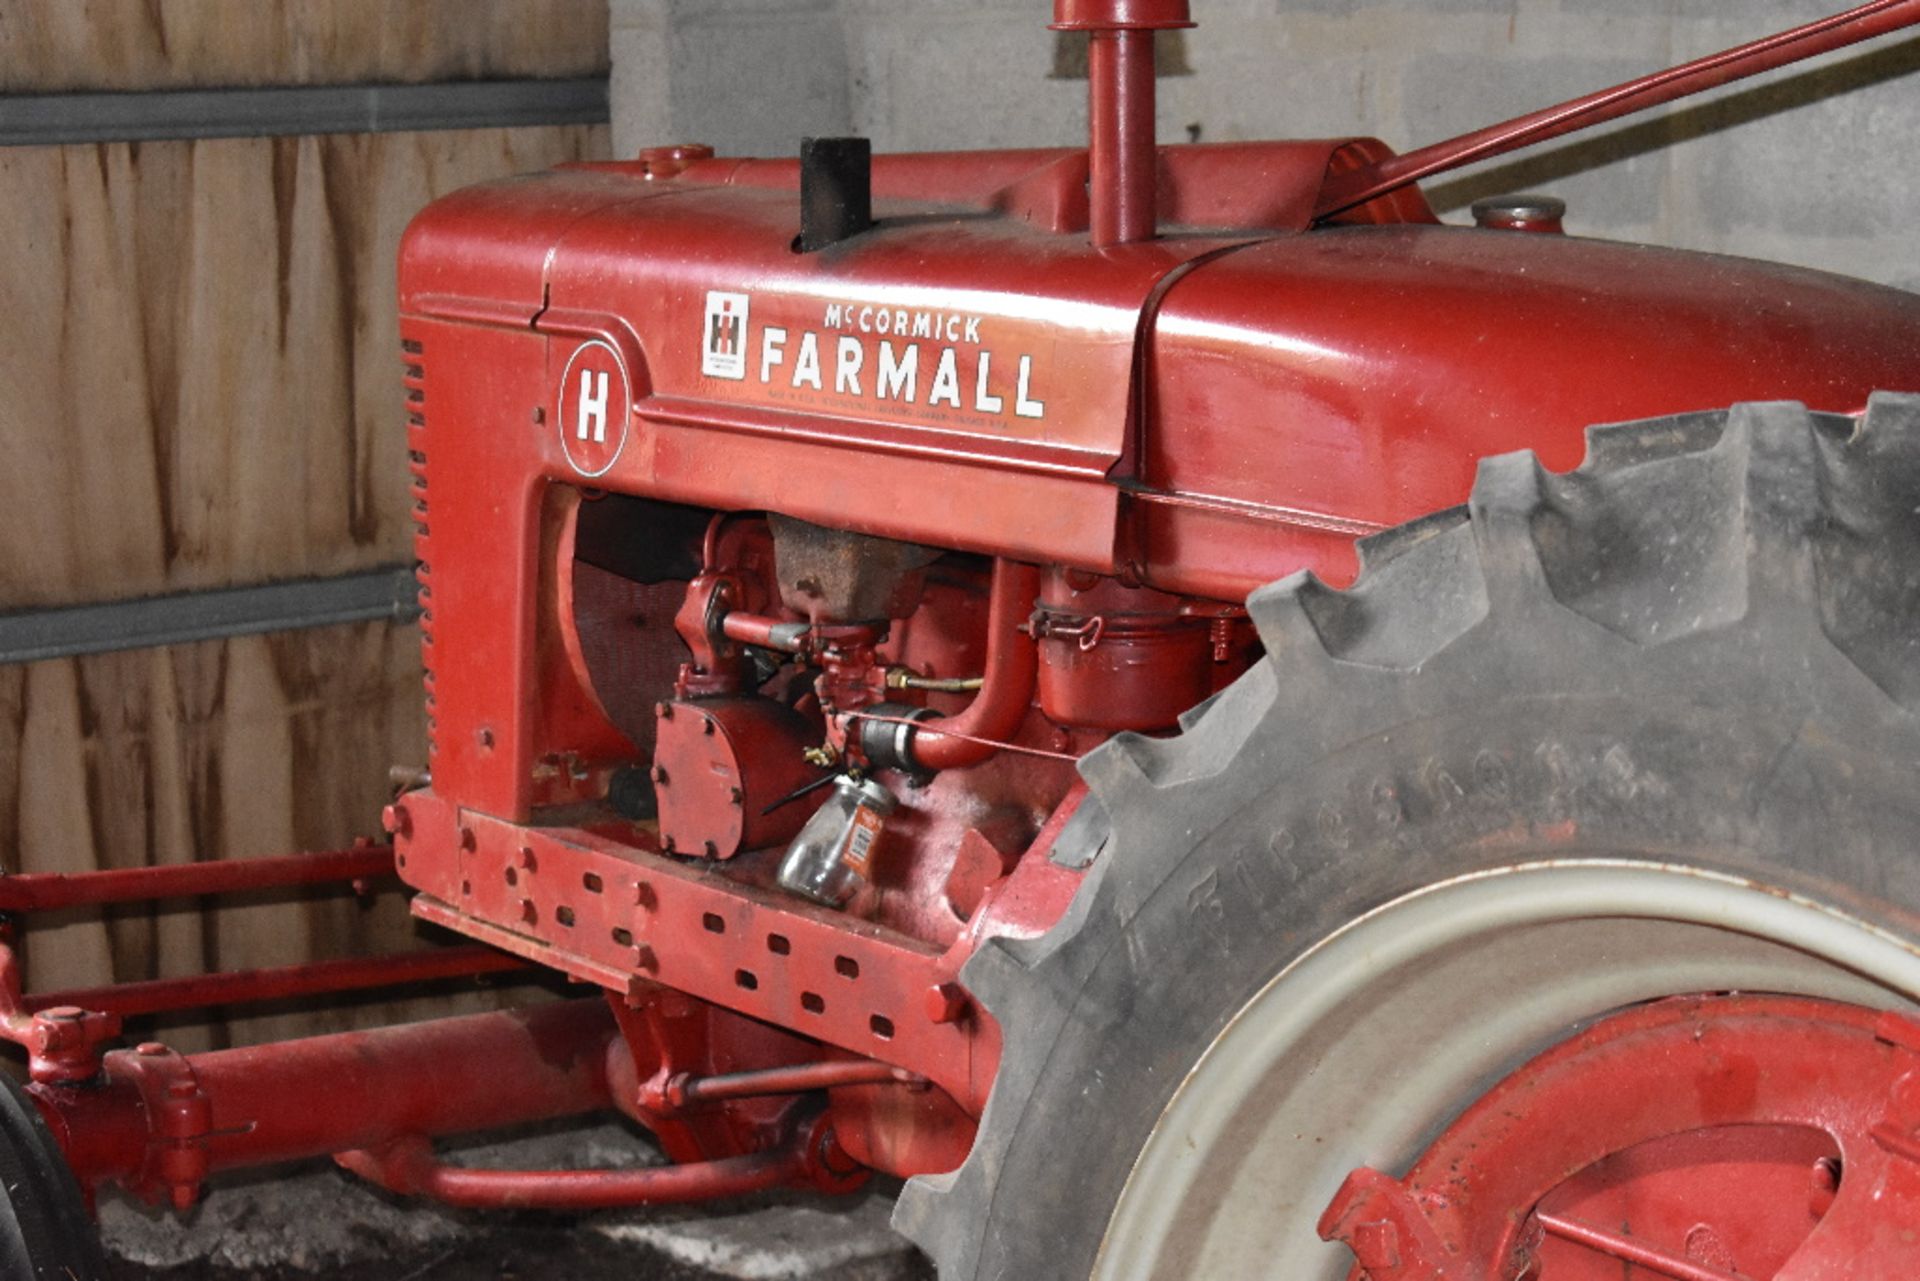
x=1727 y=1138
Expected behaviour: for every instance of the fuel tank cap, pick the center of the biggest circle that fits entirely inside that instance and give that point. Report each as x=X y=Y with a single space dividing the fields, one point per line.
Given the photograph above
x=1520 y=213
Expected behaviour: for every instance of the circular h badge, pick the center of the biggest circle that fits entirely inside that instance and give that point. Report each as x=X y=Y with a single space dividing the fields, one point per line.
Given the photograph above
x=595 y=405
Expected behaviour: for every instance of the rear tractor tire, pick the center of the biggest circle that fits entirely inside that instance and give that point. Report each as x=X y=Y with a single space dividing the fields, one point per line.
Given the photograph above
x=1444 y=924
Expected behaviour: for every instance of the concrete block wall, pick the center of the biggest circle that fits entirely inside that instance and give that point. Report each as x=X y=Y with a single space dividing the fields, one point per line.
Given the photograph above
x=1811 y=165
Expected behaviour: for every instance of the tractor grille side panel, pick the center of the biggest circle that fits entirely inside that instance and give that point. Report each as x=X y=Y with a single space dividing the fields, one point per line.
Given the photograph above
x=480 y=461
x=413 y=355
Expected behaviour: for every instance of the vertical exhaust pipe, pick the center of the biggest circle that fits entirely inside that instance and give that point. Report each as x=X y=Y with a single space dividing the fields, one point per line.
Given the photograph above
x=1120 y=120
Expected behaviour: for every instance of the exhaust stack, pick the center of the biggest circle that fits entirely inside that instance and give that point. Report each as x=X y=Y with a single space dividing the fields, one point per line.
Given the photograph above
x=1120 y=119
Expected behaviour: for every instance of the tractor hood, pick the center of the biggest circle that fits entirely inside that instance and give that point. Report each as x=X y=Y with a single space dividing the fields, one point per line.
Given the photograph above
x=1351 y=378
x=1208 y=410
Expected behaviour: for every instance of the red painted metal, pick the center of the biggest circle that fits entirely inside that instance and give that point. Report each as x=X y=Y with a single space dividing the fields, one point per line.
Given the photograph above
x=722 y=768
x=1249 y=186
x=1705 y=1139
x=836 y=978
x=826 y=1074
x=1119 y=658
x=1001 y=705
x=63 y=1041
x=1877 y=18
x=65 y=1032
x=768 y=633
x=409 y=1168
x=736 y=574
x=1120 y=109
x=51 y=891
x=1219 y=501
x=1311 y=389
x=1521 y=213
x=714 y=932
x=1120 y=154
x=158 y=1122
x=1614 y=1245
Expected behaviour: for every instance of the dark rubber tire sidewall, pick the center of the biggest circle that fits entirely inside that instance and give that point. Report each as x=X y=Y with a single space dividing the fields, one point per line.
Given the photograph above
x=1400 y=811
x=1701 y=650
x=45 y=1234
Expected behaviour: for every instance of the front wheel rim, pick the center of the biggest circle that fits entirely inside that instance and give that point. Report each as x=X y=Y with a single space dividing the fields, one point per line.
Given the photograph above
x=1362 y=1050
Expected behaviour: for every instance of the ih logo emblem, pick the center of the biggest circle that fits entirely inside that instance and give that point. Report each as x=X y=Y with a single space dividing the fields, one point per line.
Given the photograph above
x=723 y=353
x=596 y=403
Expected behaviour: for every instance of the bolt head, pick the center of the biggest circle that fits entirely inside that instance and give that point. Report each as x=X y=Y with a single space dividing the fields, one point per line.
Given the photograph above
x=1376 y=1246
x=946 y=1002
x=664 y=162
x=395 y=820
x=1825 y=1186
x=150 y=1049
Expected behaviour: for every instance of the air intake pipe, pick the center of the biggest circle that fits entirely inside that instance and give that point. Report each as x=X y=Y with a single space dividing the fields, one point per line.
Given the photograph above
x=996 y=712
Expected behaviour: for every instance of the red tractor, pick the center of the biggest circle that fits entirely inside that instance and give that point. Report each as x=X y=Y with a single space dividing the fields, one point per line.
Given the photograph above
x=1039 y=673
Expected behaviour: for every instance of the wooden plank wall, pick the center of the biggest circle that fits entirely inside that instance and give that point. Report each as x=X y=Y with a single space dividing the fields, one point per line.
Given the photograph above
x=48 y=46
x=199 y=386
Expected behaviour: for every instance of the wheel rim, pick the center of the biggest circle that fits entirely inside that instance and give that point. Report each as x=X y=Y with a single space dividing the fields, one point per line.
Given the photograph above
x=1726 y=1138
x=1363 y=1050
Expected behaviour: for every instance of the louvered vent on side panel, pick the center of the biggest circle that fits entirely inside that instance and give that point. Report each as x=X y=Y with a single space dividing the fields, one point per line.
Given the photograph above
x=414 y=357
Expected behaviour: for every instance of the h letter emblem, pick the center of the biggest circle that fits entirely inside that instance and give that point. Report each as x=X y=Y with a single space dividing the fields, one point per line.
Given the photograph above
x=593 y=404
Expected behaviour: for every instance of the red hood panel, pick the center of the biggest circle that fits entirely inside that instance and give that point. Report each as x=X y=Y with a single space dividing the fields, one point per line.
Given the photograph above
x=965 y=374
x=1359 y=374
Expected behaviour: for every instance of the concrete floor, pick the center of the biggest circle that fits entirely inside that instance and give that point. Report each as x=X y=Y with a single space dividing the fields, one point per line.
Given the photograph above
x=313 y=1220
